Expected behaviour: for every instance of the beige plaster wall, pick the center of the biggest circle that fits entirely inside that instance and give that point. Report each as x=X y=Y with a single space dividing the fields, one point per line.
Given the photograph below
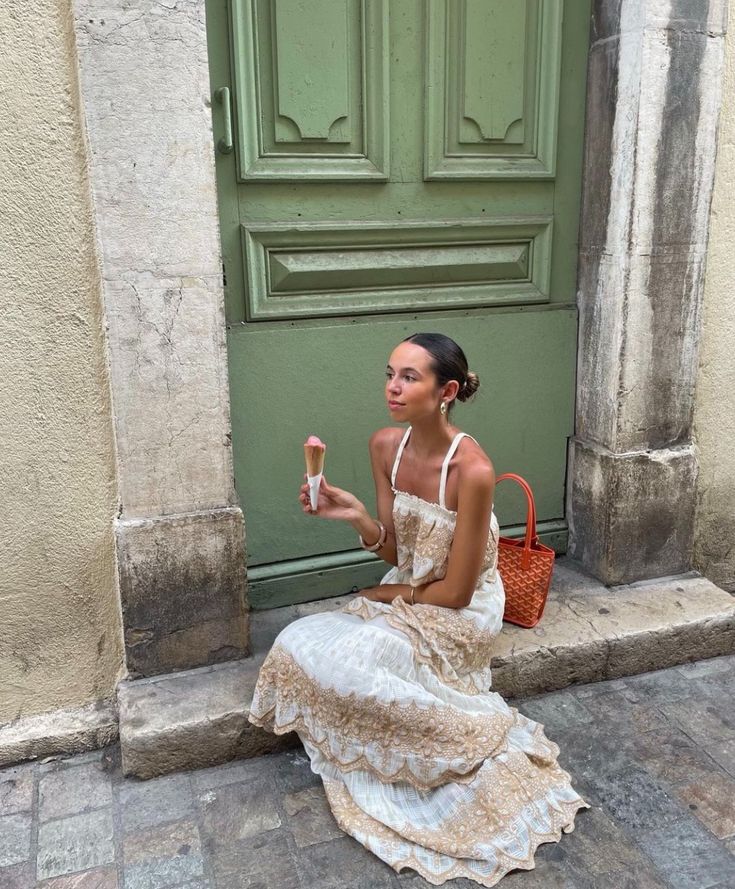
x=60 y=627
x=714 y=420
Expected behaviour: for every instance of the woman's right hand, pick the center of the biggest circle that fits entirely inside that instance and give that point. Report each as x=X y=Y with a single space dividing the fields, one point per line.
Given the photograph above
x=332 y=502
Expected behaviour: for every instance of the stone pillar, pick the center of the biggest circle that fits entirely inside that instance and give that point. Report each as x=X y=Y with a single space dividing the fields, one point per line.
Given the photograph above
x=653 y=98
x=180 y=536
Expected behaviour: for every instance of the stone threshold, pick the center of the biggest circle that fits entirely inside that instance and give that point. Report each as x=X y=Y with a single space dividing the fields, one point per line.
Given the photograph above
x=589 y=632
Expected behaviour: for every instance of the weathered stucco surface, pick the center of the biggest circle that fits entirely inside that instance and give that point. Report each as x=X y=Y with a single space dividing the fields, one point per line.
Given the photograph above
x=60 y=626
x=714 y=417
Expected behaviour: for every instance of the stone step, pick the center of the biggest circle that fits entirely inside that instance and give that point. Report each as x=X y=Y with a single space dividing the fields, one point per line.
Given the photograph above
x=589 y=632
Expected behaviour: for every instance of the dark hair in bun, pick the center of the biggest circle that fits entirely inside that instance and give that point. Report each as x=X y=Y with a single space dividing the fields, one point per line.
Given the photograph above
x=448 y=363
x=471 y=385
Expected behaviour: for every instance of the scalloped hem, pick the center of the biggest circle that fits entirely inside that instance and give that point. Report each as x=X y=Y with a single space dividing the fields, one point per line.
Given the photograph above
x=462 y=870
x=362 y=763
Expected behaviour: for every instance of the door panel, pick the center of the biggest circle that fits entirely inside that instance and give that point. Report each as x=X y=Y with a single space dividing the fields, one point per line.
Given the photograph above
x=366 y=267
x=492 y=89
x=399 y=166
x=311 y=89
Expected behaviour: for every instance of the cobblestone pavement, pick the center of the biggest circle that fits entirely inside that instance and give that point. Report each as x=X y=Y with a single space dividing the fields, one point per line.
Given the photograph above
x=654 y=754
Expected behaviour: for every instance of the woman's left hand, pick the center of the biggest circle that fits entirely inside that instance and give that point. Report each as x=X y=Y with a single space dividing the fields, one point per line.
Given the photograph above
x=386 y=592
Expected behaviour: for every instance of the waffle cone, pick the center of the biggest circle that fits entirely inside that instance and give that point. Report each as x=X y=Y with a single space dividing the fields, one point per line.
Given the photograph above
x=314 y=456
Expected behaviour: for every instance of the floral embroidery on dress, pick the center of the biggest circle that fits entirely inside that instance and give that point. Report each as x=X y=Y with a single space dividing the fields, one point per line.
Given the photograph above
x=424 y=745
x=424 y=539
x=455 y=647
x=450 y=640
x=459 y=847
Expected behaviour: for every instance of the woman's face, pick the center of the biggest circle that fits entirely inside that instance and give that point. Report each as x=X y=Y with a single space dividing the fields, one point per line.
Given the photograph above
x=410 y=385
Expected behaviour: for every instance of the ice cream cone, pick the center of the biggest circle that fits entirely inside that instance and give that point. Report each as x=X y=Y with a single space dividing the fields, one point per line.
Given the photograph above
x=314 y=452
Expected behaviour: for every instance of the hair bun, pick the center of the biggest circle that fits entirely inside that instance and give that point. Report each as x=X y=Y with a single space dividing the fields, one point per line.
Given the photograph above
x=470 y=386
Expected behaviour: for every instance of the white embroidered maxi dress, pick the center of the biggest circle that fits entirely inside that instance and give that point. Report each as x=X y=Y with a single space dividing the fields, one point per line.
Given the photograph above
x=420 y=761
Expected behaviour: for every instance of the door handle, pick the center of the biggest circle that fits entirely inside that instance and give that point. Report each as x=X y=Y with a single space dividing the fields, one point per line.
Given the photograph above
x=222 y=95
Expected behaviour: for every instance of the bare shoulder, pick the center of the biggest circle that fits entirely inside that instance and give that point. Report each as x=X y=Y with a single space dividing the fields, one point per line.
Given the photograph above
x=385 y=441
x=473 y=465
x=383 y=444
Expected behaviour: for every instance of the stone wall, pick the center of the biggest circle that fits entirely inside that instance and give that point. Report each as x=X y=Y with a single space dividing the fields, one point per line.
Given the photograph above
x=654 y=92
x=146 y=98
x=60 y=623
x=714 y=418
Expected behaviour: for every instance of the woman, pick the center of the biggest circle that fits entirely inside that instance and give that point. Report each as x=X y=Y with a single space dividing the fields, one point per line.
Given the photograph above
x=390 y=694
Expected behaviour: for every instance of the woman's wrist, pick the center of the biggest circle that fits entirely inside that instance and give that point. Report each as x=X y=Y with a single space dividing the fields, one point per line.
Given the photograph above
x=366 y=526
x=415 y=593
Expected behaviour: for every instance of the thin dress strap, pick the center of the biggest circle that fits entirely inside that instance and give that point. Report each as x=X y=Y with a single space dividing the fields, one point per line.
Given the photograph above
x=445 y=466
x=398 y=457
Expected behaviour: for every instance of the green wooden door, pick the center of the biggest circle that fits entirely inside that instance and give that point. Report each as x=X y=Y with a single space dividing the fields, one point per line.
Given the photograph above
x=398 y=166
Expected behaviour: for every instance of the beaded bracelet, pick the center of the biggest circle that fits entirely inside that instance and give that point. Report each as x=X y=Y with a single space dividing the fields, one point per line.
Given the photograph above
x=380 y=541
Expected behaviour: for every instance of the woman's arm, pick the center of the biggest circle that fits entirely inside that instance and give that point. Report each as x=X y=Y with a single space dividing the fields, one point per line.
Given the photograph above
x=474 y=508
x=380 y=451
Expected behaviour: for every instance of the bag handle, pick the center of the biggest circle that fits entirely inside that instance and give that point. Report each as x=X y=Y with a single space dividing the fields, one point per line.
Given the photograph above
x=531 y=534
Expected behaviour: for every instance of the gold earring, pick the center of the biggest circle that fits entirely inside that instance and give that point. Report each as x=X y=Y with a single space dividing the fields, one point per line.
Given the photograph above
x=443 y=407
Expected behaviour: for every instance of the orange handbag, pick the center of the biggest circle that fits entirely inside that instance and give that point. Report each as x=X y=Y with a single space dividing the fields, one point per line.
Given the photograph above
x=525 y=567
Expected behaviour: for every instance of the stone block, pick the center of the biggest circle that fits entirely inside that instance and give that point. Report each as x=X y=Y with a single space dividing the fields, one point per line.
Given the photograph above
x=146 y=804
x=670 y=754
x=165 y=855
x=309 y=816
x=182 y=588
x=16 y=790
x=712 y=799
x=171 y=411
x=264 y=860
x=160 y=215
x=635 y=389
x=687 y=855
x=23 y=876
x=191 y=720
x=75 y=843
x=15 y=838
x=632 y=515
x=702 y=719
x=723 y=753
x=635 y=800
x=61 y=731
x=71 y=790
x=235 y=812
x=653 y=99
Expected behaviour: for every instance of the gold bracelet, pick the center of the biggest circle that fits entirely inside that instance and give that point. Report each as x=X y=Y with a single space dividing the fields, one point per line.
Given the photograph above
x=379 y=542
x=413 y=593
